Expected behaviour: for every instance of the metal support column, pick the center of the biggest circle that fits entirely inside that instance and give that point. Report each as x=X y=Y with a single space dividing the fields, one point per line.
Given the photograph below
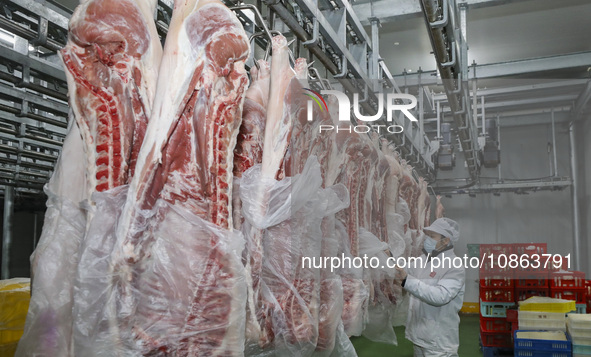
x=7 y=230
x=575 y=197
x=375 y=53
x=554 y=145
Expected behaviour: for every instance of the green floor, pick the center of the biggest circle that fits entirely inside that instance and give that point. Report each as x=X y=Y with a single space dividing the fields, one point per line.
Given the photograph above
x=469 y=329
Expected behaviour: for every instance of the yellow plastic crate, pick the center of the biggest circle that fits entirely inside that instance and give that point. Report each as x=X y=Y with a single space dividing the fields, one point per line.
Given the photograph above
x=15 y=295
x=546 y=304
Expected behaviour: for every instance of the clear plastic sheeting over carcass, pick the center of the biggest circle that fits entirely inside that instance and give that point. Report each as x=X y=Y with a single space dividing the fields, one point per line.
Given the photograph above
x=300 y=305
x=203 y=221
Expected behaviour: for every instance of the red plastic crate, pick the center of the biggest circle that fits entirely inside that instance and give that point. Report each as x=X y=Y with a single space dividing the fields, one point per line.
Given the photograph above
x=579 y=295
x=496 y=339
x=514 y=327
x=524 y=294
x=530 y=248
x=571 y=279
x=563 y=265
x=497 y=294
x=489 y=272
x=494 y=250
x=494 y=324
x=528 y=279
x=497 y=281
x=512 y=315
x=526 y=265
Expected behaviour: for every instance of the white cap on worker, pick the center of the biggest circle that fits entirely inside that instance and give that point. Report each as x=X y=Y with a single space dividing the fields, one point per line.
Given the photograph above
x=446 y=227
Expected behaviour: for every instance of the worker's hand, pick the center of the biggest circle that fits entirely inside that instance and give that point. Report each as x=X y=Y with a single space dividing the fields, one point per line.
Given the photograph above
x=401 y=274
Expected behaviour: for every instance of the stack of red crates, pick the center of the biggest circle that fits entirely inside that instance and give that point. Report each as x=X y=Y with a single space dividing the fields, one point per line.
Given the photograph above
x=568 y=285
x=501 y=288
x=496 y=286
x=531 y=281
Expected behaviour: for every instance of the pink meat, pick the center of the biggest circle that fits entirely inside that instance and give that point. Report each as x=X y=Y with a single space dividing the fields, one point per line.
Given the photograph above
x=249 y=146
x=439 y=210
x=422 y=206
x=284 y=94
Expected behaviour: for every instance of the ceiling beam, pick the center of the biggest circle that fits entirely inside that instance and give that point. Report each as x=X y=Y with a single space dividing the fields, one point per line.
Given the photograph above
x=504 y=69
x=405 y=9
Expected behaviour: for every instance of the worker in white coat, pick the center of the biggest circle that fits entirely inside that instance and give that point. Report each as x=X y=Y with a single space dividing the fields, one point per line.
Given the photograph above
x=437 y=293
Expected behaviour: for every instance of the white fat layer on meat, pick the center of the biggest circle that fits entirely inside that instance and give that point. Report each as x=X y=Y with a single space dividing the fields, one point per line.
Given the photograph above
x=85 y=134
x=178 y=64
x=150 y=62
x=275 y=132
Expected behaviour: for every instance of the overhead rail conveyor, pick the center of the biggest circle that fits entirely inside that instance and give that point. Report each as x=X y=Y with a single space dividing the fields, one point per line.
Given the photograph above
x=446 y=26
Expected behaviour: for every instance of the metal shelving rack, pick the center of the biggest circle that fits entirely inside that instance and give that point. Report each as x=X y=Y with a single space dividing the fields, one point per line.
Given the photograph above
x=33 y=94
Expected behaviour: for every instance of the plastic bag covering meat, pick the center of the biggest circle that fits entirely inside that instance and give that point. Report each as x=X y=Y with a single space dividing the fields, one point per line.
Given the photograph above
x=355 y=292
x=289 y=293
x=48 y=329
x=93 y=333
x=331 y=286
x=396 y=221
x=192 y=260
x=343 y=346
x=170 y=276
x=292 y=220
x=380 y=310
x=48 y=326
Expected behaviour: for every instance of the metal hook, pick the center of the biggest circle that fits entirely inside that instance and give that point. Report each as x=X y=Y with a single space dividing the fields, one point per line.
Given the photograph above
x=251 y=38
x=343 y=68
x=269 y=46
x=290 y=52
x=257 y=15
x=315 y=33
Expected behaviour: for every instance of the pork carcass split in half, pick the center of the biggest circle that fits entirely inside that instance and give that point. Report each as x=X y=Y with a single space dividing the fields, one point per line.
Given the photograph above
x=186 y=163
x=111 y=61
x=249 y=152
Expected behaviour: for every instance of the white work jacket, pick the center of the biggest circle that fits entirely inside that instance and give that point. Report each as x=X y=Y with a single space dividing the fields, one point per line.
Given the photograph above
x=436 y=298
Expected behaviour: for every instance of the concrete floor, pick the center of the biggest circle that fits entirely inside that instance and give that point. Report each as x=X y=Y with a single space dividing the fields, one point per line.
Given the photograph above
x=469 y=347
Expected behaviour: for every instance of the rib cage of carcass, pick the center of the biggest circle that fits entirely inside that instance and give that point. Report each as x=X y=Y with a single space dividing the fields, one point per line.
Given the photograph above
x=190 y=190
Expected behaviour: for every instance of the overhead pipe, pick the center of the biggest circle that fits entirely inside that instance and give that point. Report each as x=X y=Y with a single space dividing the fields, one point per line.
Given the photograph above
x=7 y=231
